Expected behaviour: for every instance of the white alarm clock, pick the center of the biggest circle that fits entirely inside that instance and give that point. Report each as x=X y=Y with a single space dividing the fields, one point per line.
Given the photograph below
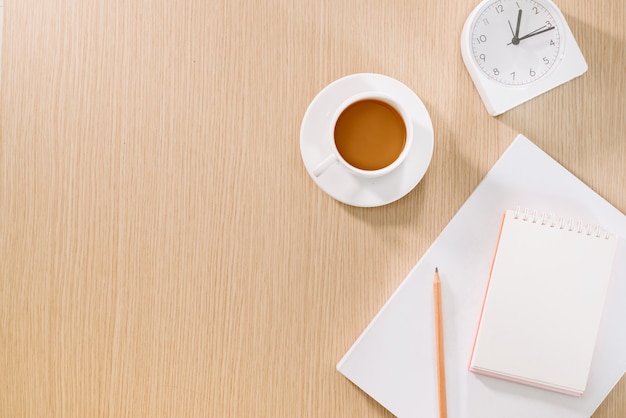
x=516 y=50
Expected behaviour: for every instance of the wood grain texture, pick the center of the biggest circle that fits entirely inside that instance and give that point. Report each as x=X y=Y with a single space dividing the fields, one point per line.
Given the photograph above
x=163 y=251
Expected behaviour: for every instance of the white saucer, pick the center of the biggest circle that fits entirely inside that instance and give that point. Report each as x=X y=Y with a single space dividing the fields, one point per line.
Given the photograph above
x=337 y=181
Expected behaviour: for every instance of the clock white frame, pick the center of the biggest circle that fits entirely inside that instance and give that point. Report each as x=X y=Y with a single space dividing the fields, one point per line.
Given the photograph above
x=499 y=97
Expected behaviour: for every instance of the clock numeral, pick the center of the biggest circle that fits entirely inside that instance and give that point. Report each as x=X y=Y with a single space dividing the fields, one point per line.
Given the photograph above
x=481 y=39
x=499 y=8
x=513 y=75
x=496 y=71
x=482 y=57
x=551 y=42
x=536 y=10
x=532 y=72
x=548 y=24
x=485 y=21
x=546 y=60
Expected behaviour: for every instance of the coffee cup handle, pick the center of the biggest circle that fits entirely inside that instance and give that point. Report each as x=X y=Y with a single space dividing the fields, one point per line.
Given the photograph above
x=324 y=165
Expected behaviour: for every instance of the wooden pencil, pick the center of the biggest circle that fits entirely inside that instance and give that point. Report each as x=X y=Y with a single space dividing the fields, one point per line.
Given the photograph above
x=441 y=374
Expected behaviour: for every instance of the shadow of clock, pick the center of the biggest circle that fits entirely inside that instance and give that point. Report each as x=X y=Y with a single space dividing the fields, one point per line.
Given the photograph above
x=590 y=106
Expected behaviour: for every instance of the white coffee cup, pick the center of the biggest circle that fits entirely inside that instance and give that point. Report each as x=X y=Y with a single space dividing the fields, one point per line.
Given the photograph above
x=373 y=137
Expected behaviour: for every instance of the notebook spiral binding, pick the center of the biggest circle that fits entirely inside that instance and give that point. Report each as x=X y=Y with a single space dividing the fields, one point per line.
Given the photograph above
x=553 y=221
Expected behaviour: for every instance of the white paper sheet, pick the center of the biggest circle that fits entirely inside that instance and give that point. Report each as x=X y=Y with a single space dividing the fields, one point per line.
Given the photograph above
x=394 y=358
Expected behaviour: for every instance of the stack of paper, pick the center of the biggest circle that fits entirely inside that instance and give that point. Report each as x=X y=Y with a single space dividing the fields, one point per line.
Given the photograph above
x=394 y=358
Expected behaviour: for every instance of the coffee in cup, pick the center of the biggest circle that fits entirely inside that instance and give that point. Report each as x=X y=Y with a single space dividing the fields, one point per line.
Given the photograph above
x=370 y=135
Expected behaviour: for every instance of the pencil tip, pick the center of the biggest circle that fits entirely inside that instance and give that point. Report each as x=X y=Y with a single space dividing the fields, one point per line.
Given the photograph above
x=436 y=269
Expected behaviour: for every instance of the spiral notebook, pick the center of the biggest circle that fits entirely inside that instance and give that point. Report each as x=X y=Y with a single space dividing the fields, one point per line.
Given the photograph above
x=394 y=358
x=544 y=301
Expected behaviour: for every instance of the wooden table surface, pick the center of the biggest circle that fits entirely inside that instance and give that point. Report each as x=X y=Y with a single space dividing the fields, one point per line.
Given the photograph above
x=163 y=252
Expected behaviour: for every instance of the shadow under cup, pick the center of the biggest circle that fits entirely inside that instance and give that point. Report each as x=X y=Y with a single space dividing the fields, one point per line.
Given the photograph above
x=370 y=134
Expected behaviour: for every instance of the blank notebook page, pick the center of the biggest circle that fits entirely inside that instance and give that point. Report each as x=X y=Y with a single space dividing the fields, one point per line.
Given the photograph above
x=544 y=302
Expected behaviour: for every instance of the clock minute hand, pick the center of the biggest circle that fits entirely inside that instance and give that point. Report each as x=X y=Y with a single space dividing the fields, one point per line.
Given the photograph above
x=519 y=20
x=537 y=32
x=515 y=40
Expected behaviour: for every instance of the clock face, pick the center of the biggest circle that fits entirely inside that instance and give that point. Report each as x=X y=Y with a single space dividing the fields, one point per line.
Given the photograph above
x=516 y=42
